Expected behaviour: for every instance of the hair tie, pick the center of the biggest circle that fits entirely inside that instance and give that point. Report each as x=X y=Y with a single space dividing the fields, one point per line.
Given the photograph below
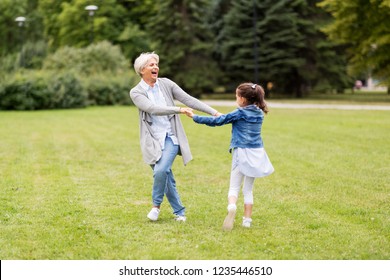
x=253 y=86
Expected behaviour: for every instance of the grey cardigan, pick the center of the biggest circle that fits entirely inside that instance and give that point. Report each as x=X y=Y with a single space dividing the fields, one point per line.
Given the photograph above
x=151 y=150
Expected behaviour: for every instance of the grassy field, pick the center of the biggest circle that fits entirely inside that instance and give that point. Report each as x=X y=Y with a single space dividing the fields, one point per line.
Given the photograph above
x=74 y=186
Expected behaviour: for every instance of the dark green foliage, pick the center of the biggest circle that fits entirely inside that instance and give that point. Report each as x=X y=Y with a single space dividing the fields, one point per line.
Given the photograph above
x=330 y=68
x=8 y=64
x=103 y=90
x=364 y=27
x=134 y=38
x=32 y=55
x=72 y=77
x=204 y=45
x=51 y=90
x=67 y=23
x=102 y=68
x=184 y=43
x=133 y=41
x=279 y=42
x=96 y=58
x=325 y=63
x=275 y=37
x=69 y=92
x=12 y=35
x=36 y=91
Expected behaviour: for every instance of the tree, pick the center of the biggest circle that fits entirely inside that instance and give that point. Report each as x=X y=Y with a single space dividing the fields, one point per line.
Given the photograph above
x=12 y=36
x=50 y=11
x=279 y=42
x=139 y=12
x=261 y=37
x=121 y=22
x=184 y=42
x=364 y=27
x=67 y=23
x=325 y=65
x=134 y=39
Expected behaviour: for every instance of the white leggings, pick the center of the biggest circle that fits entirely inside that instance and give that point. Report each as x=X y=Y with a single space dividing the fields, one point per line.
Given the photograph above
x=236 y=178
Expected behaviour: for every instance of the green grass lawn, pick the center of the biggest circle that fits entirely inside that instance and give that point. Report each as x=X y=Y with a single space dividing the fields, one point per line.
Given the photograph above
x=74 y=186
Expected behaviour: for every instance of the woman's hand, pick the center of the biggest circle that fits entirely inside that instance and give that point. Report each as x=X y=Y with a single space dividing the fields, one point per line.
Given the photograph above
x=188 y=111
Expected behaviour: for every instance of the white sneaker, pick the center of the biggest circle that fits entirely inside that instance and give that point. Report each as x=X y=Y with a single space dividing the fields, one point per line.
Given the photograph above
x=180 y=218
x=153 y=214
x=229 y=220
x=246 y=222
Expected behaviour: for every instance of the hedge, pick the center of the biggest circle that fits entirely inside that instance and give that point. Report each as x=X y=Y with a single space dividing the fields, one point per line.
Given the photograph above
x=36 y=90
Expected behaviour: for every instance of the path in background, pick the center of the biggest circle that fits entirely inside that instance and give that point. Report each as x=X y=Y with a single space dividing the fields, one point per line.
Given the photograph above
x=304 y=106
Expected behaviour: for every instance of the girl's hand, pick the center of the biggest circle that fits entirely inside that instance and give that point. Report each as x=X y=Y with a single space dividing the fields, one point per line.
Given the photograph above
x=188 y=111
x=190 y=114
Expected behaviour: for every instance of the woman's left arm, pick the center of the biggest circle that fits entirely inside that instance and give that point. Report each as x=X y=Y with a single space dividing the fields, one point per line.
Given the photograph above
x=190 y=101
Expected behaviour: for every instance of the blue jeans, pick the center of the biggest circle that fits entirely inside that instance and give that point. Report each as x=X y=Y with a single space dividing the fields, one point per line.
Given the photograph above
x=164 y=181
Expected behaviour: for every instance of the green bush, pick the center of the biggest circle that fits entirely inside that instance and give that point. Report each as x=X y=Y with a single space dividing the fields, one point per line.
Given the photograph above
x=36 y=90
x=67 y=91
x=71 y=77
x=109 y=90
x=8 y=64
x=102 y=68
x=96 y=58
x=32 y=55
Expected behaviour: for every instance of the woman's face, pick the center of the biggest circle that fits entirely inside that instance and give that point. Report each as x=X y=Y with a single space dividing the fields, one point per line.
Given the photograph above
x=150 y=71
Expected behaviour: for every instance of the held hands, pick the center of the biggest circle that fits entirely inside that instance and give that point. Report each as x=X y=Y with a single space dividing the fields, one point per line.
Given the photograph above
x=188 y=111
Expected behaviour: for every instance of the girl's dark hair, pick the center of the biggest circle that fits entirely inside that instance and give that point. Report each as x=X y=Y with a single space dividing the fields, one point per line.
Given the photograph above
x=254 y=94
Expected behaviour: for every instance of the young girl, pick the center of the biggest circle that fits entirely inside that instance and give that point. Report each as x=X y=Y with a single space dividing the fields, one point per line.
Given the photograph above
x=249 y=157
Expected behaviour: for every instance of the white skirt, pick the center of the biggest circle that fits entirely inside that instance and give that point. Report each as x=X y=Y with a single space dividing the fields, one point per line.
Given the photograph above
x=252 y=162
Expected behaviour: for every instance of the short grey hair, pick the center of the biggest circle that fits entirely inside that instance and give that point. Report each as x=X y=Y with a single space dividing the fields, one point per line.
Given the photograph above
x=143 y=59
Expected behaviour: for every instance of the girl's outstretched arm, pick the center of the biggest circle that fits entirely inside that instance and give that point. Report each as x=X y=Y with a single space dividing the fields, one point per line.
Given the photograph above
x=217 y=121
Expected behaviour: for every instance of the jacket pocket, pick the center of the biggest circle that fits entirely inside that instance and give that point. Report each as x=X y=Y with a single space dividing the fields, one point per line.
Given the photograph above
x=151 y=149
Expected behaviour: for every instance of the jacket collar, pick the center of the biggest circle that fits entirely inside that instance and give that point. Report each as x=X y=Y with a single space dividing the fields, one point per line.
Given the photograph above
x=145 y=86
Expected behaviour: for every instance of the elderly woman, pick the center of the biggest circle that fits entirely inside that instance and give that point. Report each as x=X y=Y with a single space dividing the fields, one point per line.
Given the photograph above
x=161 y=131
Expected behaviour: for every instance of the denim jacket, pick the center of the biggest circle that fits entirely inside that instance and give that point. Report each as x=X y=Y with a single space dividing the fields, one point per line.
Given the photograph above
x=246 y=126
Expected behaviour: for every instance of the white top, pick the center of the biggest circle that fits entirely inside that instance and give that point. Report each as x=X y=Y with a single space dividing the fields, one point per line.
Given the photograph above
x=252 y=162
x=160 y=124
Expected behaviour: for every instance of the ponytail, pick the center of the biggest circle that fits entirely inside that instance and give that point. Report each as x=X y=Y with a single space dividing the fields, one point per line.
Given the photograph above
x=254 y=94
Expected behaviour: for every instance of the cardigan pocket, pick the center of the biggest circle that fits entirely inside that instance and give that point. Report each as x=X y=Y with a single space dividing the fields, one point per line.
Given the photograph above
x=146 y=118
x=151 y=149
